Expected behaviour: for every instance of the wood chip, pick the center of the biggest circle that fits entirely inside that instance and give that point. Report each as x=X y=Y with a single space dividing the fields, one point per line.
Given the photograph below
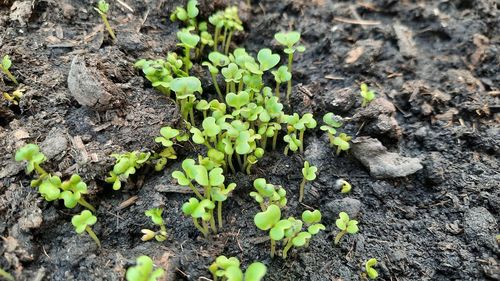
x=354 y=21
x=21 y=134
x=354 y=54
x=127 y=203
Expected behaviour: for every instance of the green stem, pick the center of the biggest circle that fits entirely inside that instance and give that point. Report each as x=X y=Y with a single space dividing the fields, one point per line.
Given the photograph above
x=286 y=150
x=86 y=204
x=239 y=161
x=219 y=213
x=108 y=27
x=249 y=166
x=205 y=227
x=93 y=236
x=289 y=87
x=228 y=43
x=191 y=115
x=224 y=36
x=216 y=85
x=245 y=161
x=201 y=229
x=273 y=247
x=9 y=74
x=240 y=88
x=230 y=163
x=289 y=245
x=338 y=150
x=275 y=138
x=262 y=206
x=187 y=58
x=330 y=137
x=278 y=90
x=301 y=138
x=195 y=190
x=212 y=221
x=216 y=37
x=264 y=142
x=301 y=189
x=339 y=236
x=41 y=172
x=233 y=87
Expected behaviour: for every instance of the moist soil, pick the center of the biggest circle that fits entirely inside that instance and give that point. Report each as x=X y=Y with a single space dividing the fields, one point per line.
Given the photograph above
x=436 y=62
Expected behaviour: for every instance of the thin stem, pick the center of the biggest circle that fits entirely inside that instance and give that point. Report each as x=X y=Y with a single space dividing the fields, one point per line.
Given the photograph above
x=233 y=87
x=93 y=236
x=216 y=37
x=228 y=43
x=277 y=90
x=289 y=88
x=195 y=190
x=108 y=27
x=187 y=58
x=301 y=138
x=330 y=137
x=262 y=206
x=219 y=213
x=212 y=221
x=273 y=247
x=224 y=36
x=339 y=236
x=205 y=227
x=86 y=204
x=289 y=245
x=245 y=161
x=9 y=74
x=41 y=172
x=240 y=88
x=216 y=85
x=301 y=189
x=338 y=150
x=249 y=166
x=230 y=163
x=191 y=115
x=239 y=161
x=264 y=142
x=198 y=226
x=275 y=138
x=286 y=150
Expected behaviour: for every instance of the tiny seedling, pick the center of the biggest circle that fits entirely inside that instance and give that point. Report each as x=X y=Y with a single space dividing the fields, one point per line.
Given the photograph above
x=187 y=15
x=268 y=194
x=189 y=42
x=296 y=237
x=5 y=66
x=156 y=216
x=32 y=155
x=369 y=270
x=83 y=222
x=144 y=270
x=332 y=122
x=270 y=219
x=345 y=225
x=309 y=174
x=5 y=275
x=200 y=210
x=15 y=97
x=126 y=164
x=72 y=191
x=281 y=75
x=102 y=9
x=343 y=185
x=342 y=142
x=229 y=269
x=185 y=89
x=288 y=40
x=368 y=95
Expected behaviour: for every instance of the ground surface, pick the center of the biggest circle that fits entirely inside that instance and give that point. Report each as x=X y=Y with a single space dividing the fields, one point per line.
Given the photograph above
x=434 y=64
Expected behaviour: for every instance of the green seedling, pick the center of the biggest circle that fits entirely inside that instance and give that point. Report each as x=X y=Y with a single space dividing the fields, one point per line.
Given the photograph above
x=5 y=66
x=126 y=165
x=5 y=275
x=83 y=222
x=226 y=23
x=144 y=270
x=293 y=143
x=309 y=174
x=72 y=191
x=254 y=158
x=289 y=41
x=299 y=124
x=167 y=137
x=199 y=210
x=268 y=194
x=33 y=157
x=189 y=42
x=233 y=76
x=229 y=269
x=156 y=216
x=343 y=185
x=345 y=225
x=296 y=237
x=187 y=177
x=102 y=9
x=270 y=219
x=220 y=194
x=187 y=15
x=15 y=97
x=267 y=59
x=216 y=60
x=281 y=76
x=185 y=89
x=342 y=142
x=368 y=95
x=369 y=270
x=332 y=122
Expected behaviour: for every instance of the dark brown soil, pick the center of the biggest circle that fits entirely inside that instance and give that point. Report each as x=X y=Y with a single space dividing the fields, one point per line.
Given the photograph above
x=437 y=62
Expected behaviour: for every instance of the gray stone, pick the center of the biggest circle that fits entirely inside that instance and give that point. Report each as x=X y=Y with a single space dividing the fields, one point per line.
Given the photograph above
x=349 y=205
x=338 y=100
x=480 y=227
x=381 y=163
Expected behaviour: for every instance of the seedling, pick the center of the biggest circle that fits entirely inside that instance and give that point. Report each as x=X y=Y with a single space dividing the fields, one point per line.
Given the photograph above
x=199 y=210
x=126 y=165
x=102 y=9
x=156 y=216
x=189 y=42
x=144 y=270
x=288 y=40
x=32 y=155
x=343 y=185
x=296 y=237
x=293 y=143
x=187 y=15
x=345 y=225
x=216 y=60
x=7 y=276
x=185 y=89
x=167 y=137
x=298 y=124
x=309 y=174
x=281 y=75
x=220 y=194
x=229 y=269
x=270 y=219
x=268 y=194
x=83 y=222
x=187 y=177
x=15 y=97
x=230 y=21
x=332 y=122
x=368 y=95
x=5 y=66
x=369 y=270
x=342 y=142
x=72 y=191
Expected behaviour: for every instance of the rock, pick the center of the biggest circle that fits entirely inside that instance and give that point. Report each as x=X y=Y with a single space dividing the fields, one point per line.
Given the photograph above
x=363 y=53
x=90 y=88
x=338 y=100
x=405 y=41
x=381 y=163
x=421 y=133
x=384 y=125
x=374 y=109
x=21 y=12
x=480 y=228
x=349 y=205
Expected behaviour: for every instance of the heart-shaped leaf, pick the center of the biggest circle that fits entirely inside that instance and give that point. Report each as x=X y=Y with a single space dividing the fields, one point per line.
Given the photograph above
x=311 y=217
x=267 y=219
x=267 y=59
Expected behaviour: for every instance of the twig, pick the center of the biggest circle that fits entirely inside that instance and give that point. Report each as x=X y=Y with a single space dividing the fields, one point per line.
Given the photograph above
x=125 y=5
x=354 y=21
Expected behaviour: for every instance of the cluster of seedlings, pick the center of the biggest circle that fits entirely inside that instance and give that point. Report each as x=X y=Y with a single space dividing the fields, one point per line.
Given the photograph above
x=242 y=118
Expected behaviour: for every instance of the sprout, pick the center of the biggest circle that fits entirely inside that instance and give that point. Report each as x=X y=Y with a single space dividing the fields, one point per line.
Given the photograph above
x=268 y=194
x=5 y=66
x=16 y=96
x=186 y=178
x=32 y=155
x=229 y=269
x=292 y=143
x=187 y=15
x=298 y=238
x=342 y=142
x=370 y=271
x=83 y=221
x=309 y=174
x=343 y=185
x=72 y=191
x=232 y=75
x=270 y=219
x=188 y=42
x=289 y=40
x=144 y=270
x=346 y=226
x=281 y=75
x=102 y=9
x=220 y=194
x=155 y=215
x=267 y=59
x=199 y=210
x=185 y=88
x=368 y=95
x=216 y=60
x=50 y=188
x=332 y=122
x=126 y=165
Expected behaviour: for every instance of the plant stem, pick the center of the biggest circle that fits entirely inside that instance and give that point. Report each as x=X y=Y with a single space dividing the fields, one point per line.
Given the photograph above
x=216 y=85
x=278 y=90
x=187 y=54
x=249 y=166
x=93 y=236
x=86 y=204
x=301 y=189
x=339 y=236
x=205 y=227
x=191 y=114
x=240 y=88
x=338 y=150
x=289 y=244
x=108 y=27
x=198 y=226
x=262 y=206
x=219 y=213
x=275 y=138
x=301 y=138
x=41 y=172
x=195 y=190
x=224 y=36
x=212 y=221
x=239 y=161
x=230 y=163
x=216 y=37
x=9 y=74
x=289 y=87
x=264 y=142
x=228 y=43
x=273 y=247
x=286 y=150
x=330 y=137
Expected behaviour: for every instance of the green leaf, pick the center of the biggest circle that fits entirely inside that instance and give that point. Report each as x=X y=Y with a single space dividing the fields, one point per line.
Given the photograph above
x=50 y=188
x=103 y=6
x=192 y=10
x=181 y=178
x=267 y=59
x=211 y=129
x=6 y=62
x=81 y=221
x=311 y=217
x=218 y=59
x=30 y=153
x=198 y=136
x=70 y=198
x=143 y=271
x=287 y=39
x=277 y=232
x=282 y=75
x=201 y=176
x=372 y=273
x=237 y=100
x=233 y=273
x=309 y=172
x=267 y=219
x=352 y=227
x=255 y=272
x=186 y=86
x=342 y=221
x=216 y=177
x=315 y=228
x=188 y=39
x=301 y=239
x=155 y=215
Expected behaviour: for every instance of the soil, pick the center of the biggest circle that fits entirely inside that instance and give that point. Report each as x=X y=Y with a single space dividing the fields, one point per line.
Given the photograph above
x=435 y=62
